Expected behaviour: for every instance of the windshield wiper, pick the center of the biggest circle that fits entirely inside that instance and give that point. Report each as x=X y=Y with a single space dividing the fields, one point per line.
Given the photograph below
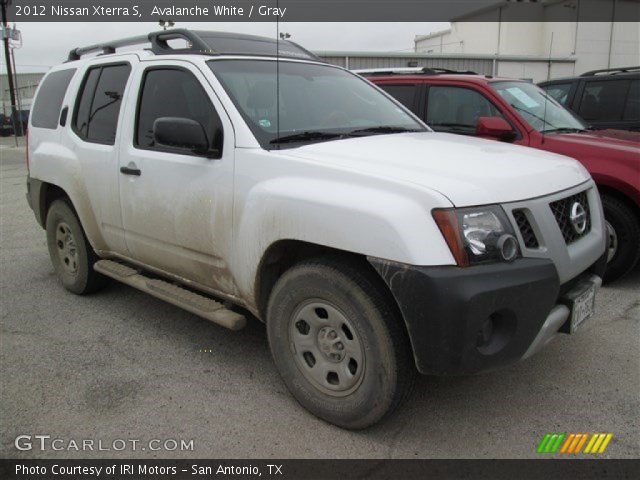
x=307 y=135
x=382 y=130
x=564 y=130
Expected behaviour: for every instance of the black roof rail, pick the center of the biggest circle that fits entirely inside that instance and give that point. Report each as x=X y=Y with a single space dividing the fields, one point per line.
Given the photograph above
x=203 y=43
x=611 y=70
x=413 y=71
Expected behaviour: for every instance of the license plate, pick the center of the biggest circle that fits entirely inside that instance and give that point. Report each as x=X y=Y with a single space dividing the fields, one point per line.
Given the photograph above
x=582 y=305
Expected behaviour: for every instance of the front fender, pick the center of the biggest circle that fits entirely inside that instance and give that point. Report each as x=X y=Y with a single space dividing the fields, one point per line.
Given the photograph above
x=393 y=225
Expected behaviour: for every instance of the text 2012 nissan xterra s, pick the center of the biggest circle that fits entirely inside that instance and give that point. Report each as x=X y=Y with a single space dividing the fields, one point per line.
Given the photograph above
x=247 y=170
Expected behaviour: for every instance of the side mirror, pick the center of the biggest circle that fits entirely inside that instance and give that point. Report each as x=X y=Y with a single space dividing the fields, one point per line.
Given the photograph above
x=182 y=133
x=495 y=127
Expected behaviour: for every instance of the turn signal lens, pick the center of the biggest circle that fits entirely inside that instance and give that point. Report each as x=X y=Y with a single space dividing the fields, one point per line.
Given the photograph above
x=447 y=221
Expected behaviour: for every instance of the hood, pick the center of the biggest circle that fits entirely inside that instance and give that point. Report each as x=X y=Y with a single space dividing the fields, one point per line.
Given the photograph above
x=466 y=170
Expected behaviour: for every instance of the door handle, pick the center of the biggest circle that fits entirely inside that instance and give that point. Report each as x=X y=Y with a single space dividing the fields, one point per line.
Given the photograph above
x=131 y=171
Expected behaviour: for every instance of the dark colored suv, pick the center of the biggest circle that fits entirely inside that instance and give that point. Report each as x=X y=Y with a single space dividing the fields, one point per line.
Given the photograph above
x=603 y=98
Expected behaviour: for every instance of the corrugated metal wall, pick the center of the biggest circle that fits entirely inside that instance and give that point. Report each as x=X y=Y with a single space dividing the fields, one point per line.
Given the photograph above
x=481 y=66
x=27 y=84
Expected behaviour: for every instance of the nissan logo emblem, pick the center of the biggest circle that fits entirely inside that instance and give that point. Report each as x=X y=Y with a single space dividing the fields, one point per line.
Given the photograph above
x=578 y=218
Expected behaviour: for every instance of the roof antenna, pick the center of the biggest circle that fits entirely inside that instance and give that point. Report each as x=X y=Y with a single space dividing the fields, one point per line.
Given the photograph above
x=278 y=72
x=546 y=98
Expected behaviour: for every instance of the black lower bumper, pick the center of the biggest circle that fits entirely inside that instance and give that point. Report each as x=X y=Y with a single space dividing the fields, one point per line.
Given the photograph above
x=463 y=320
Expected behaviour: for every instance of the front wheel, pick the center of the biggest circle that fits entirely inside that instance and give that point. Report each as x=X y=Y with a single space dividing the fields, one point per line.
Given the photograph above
x=623 y=229
x=339 y=343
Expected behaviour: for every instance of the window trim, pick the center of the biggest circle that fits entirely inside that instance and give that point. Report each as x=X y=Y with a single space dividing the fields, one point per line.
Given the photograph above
x=479 y=91
x=80 y=92
x=167 y=149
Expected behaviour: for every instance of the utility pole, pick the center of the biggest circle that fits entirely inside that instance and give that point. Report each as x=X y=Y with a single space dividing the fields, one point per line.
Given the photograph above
x=8 y=63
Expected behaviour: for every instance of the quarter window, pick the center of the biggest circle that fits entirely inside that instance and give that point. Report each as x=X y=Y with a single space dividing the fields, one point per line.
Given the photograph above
x=49 y=100
x=455 y=109
x=98 y=107
x=174 y=93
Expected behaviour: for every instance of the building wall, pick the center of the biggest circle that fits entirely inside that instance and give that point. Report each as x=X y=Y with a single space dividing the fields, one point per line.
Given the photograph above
x=594 y=45
x=27 y=83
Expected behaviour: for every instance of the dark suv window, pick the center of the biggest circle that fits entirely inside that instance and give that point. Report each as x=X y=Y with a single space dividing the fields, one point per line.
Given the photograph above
x=98 y=106
x=559 y=91
x=172 y=92
x=49 y=100
x=604 y=100
x=405 y=94
x=456 y=109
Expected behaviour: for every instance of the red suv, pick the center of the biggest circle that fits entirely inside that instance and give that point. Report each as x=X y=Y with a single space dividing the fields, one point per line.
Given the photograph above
x=520 y=112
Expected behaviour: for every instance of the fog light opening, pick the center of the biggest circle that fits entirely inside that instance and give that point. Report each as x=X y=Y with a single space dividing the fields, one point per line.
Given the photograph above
x=496 y=332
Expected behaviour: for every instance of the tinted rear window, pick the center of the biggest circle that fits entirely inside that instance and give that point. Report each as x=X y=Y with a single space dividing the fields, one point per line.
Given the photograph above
x=46 y=108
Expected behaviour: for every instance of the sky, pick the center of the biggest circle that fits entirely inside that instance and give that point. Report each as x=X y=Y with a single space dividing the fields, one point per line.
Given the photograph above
x=47 y=44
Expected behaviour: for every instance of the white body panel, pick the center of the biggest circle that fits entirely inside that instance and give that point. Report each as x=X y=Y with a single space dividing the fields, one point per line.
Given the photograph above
x=211 y=221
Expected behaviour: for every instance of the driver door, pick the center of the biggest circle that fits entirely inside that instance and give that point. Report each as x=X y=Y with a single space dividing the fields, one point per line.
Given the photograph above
x=177 y=205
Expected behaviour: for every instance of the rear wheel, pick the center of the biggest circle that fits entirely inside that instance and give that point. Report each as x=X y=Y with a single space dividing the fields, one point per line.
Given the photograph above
x=71 y=254
x=339 y=343
x=623 y=229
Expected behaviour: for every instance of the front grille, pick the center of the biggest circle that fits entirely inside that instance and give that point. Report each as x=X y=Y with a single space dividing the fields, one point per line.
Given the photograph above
x=528 y=235
x=562 y=211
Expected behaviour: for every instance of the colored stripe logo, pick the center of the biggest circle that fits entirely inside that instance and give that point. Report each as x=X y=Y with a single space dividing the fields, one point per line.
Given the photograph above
x=574 y=443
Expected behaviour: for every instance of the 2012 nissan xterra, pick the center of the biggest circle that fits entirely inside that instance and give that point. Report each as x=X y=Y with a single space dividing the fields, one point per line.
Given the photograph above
x=242 y=174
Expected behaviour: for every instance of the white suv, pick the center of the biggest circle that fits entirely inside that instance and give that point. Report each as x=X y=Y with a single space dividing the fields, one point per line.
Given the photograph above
x=247 y=170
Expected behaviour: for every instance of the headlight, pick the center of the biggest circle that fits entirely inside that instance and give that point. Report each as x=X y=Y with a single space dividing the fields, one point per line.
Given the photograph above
x=477 y=234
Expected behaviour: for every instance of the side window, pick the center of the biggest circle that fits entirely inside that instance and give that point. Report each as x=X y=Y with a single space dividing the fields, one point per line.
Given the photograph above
x=559 y=91
x=172 y=92
x=98 y=104
x=46 y=109
x=405 y=94
x=632 y=110
x=456 y=109
x=604 y=100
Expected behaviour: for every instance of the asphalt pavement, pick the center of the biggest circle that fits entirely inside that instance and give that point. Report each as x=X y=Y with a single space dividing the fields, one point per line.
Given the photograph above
x=121 y=365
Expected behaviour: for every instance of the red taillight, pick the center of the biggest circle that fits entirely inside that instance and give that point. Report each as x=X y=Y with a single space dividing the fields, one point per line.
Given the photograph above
x=26 y=148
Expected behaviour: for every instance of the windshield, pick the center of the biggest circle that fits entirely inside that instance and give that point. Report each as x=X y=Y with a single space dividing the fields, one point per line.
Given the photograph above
x=317 y=102
x=538 y=108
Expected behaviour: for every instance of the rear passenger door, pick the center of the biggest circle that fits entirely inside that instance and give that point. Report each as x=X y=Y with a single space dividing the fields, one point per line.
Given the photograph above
x=177 y=204
x=94 y=122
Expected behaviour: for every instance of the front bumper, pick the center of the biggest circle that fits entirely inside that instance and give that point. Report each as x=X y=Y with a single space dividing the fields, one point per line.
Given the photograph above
x=464 y=320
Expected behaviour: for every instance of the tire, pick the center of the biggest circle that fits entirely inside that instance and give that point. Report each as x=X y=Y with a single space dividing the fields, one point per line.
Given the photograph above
x=71 y=254
x=337 y=296
x=624 y=237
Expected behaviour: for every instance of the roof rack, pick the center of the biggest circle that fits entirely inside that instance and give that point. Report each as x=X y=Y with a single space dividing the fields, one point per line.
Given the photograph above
x=412 y=70
x=612 y=71
x=203 y=43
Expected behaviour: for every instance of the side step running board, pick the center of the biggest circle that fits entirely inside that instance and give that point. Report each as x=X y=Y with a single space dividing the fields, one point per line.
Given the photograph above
x=195 y=303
